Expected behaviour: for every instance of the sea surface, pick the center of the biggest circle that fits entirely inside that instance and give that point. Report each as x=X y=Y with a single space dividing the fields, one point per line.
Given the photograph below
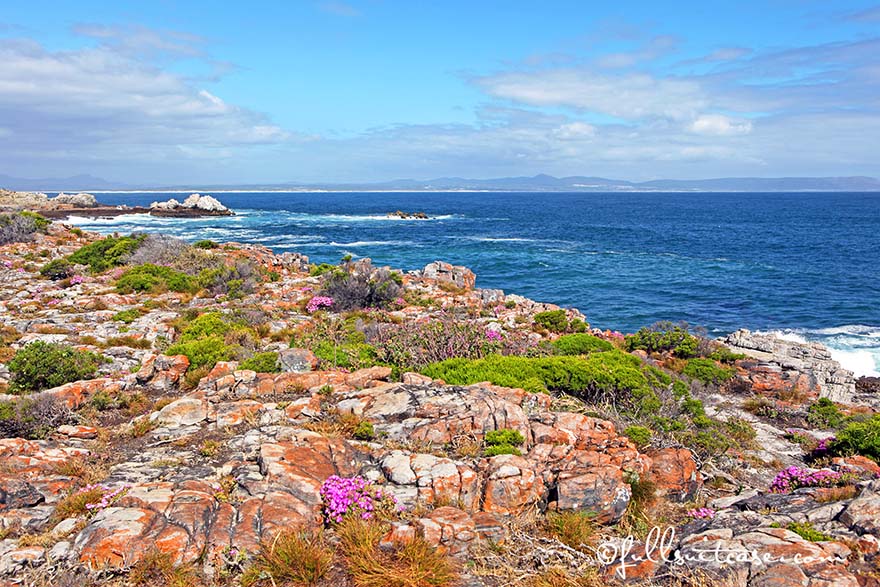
x=804 y=264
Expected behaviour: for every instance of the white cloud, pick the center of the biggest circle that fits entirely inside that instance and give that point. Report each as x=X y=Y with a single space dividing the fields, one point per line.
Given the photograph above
x=629 y=96
x=719 y=125
x=575 y=130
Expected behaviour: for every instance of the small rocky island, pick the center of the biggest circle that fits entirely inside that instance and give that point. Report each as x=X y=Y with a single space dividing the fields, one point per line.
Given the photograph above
x=408 y=215
x=84 y=204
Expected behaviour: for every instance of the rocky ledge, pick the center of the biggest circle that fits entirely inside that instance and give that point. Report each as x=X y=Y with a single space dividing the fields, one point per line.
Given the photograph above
x=217 y=404
x=194 y=205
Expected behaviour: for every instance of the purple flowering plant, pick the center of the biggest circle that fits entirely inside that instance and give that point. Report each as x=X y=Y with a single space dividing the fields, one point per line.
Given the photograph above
x=318 y=302
x=109 y=495
x=702 y=513
x=795 y=477
x=355 y=496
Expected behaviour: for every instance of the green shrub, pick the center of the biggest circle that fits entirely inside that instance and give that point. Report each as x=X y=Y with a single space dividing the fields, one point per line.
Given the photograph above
x=862 y=438
x=552 y=320
x=262 y=363
x=346 y=355
x=154 y=278
x=610 y=376
x=205 y=325
x=127 y=316
x=640 y=435
x=806 y=531
x=501 y=449
x=205 y=352
x=316 y=270
x=707 y=371
x=364 y=431
x=824 y=414
x=57 y=270
x=40 y=365
x=41 y=223
x=205 y=244
x=107 y=252
x=504 y=436
x=725 y=355
x=664 y=337
x=579 y=344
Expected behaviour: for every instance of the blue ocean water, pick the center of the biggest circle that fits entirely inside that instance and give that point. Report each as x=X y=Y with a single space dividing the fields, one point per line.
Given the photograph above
x=805 y=264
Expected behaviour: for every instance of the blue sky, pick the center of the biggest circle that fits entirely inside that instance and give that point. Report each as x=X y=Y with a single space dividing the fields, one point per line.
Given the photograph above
x=165 y=92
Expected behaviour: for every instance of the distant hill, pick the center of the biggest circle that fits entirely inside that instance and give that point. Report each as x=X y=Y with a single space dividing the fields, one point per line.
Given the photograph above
x=537 y=183
x=74 y=183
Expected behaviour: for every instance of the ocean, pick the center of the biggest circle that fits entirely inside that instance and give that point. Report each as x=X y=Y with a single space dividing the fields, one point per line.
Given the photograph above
x=806 y=265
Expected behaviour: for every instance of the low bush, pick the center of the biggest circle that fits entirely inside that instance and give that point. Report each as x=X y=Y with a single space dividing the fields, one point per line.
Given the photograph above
x=861 y=438
x=579 y=344
x=157 y=249
x=354 y=286
x=33 y=418
x=552 y=320
x=664 y=337
x=503 y=441
x=151 y=278
x=413 y=345
x=41 y=365
x=108 y=252
x=20 y=227
x=236 y=281
x=723 y=354
x=640 y=435
x=606 y=377
x=210 y=338
x=57 y=270
x=127 y=316
x=262 y=363
x=206 y=244
x=824 y=414
x=707 y=371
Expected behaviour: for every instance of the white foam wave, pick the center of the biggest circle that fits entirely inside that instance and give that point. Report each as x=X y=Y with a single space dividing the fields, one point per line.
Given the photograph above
x=855 y=346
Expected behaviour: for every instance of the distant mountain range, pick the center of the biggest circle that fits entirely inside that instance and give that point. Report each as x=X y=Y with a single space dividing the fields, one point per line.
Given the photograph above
x=537 y=183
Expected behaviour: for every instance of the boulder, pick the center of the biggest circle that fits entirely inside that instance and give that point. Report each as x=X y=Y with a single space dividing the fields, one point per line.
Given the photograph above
x=297 y=360
x=446 y=273
x=80 y=200
x=675 y=473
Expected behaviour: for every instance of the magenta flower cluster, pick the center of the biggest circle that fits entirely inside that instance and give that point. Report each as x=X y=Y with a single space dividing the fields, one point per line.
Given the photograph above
x=318 y=302
x=794 y=477
x=352 y=496
x=493 y=335
x=108 y=496
x=77 y=279
x=702 y=513
x=824 y=445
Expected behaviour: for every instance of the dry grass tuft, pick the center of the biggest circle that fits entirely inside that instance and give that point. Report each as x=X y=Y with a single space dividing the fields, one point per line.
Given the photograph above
x=157 y=569
x=413 y=563
x=298 y=557
x=574 y=529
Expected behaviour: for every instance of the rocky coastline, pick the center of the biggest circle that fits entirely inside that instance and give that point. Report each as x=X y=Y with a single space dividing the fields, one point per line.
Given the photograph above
x=220 y=390
x=64 y=206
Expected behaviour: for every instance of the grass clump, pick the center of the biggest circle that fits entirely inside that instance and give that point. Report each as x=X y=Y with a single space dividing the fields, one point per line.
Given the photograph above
x=157 y=569
x=707 y=371
x=576 y=529
x=128 y=316
x=413 y=563
x=149 y=278
x=579 y=344
x=824 y=414
x=44 y=365
x=297 y=557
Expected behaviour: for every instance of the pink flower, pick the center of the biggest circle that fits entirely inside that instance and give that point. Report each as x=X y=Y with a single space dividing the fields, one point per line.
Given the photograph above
x=318 y=302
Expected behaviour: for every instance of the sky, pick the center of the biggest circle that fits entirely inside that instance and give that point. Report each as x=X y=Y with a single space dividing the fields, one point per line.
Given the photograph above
x=164 y=92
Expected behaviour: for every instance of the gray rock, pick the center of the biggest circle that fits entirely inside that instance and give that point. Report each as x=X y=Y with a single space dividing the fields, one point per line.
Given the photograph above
x=296 y=360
